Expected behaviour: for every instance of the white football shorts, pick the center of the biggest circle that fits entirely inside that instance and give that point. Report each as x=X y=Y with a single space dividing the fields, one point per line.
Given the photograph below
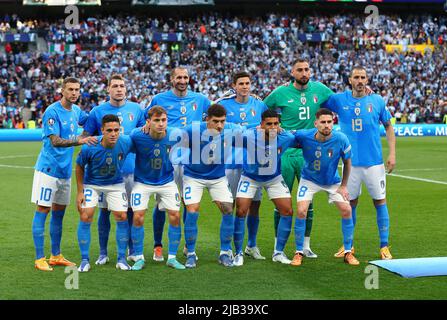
x=112 y=197
x=48 y=190
x=234 y=176
x=276 y=188
x=307 y=189
x=167 y=195
x=374 y=179
x=128 y=184
x=218 y=188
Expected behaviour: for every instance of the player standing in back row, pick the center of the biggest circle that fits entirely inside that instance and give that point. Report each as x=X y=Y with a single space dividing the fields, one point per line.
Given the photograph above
x=298 y=103
x=130 y=116
x=243 y=108
x=183 y=106
x=52 y=177
x=360 y=116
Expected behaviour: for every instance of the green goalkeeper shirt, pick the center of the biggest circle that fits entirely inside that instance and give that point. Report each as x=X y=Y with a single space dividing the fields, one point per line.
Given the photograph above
x=298 y=107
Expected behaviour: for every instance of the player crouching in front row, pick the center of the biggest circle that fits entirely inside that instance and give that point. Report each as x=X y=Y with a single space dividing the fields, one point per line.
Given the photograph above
x=154 y=174
x=322 y=150
x=100 y=182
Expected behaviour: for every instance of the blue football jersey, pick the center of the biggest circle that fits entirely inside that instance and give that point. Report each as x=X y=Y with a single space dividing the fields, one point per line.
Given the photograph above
x=103 y=166
x=153 y=165
x=321 y=158
x=131 y=116
x=360 y=120
x=56 y=120
x=181 y=111
x=206 y=159
x=244 y=114
x=263 y=156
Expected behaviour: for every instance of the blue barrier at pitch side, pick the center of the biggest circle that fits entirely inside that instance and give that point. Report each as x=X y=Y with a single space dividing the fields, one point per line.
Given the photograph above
x=401 y=130
x=23 y=134
x=414 y=130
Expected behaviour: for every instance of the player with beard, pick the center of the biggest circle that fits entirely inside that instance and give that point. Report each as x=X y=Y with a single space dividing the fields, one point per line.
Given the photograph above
x=298 y=103
x=183 y=106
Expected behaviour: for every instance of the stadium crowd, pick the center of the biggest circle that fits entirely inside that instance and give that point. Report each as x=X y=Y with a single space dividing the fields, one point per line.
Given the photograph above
x=213 y=47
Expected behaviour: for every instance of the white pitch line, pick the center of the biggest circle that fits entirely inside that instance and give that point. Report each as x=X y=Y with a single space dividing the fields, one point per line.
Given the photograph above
x=417 y=179
x=15 y=167
x=20 y=156
x=423 y=169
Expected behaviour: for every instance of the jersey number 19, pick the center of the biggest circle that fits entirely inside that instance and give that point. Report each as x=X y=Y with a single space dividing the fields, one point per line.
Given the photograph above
x=357 y=125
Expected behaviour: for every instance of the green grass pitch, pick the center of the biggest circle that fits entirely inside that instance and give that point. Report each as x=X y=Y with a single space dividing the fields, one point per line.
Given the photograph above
x=418 y=229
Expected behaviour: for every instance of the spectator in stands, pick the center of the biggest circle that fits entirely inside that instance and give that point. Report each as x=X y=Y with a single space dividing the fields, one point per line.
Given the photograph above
x=212 y=45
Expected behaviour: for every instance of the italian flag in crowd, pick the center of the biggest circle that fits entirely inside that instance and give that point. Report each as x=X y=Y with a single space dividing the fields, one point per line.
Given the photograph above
x=64 y=48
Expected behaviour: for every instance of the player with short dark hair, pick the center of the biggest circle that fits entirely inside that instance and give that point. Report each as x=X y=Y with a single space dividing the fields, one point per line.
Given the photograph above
x=243 y=108
x=52 y=175
x=297 y=103
x=205 y=168
x=322 y=151
x=100 y=183
x=264 y=148
x=130 y=116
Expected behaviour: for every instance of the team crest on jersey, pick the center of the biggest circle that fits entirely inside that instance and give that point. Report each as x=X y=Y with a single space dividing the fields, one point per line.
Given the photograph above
x=243 y=115
x=109 y=161
x=315 y=99
x=120 y=156
x=72 y=127
x=369 y=107
x=51 y=121
x=183 y=110
x=157 y=152
x=330 y=152
x=357 y=111
x=194 y=106
x=318 y=153
x=303 y=100
x=131 y=116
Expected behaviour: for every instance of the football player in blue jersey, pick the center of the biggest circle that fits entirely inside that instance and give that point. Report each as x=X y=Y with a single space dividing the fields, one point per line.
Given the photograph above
x=243 y=108
x=262 y=169
x=322 y=151
x=52 y=175
x=154 y=174
x=205 y=168
x=100 y=182
x=183 y=106
x=359 y=117
x=131 y=116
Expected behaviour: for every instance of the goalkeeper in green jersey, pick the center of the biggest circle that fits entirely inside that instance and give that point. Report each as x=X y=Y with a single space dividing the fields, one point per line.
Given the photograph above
x=297 y=103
